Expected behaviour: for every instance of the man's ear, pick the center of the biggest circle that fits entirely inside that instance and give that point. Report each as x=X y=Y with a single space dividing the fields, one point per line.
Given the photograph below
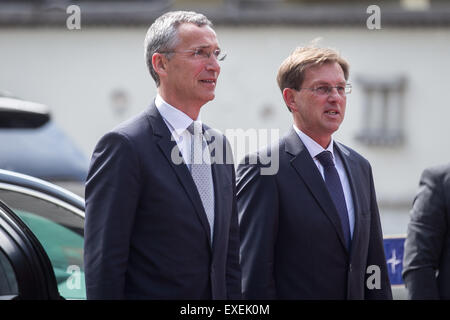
x=290 y=97
x=159 y=62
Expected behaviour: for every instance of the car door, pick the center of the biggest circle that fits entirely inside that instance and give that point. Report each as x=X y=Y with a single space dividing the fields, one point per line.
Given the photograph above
x=25 y=271
x=57 y=230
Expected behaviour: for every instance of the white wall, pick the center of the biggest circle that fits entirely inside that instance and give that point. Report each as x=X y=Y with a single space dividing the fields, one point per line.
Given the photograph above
x=75 y=72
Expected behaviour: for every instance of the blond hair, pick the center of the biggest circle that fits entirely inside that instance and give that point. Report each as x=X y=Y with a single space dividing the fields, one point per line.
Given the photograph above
x=292 y=71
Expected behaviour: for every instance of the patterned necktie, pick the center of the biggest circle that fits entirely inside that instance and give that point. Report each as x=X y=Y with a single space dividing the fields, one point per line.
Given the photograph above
x=334 y=187
x=201 y=171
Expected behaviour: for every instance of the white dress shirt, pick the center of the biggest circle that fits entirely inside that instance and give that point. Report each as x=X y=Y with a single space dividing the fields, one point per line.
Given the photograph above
x=177 y=122
x=314 y=149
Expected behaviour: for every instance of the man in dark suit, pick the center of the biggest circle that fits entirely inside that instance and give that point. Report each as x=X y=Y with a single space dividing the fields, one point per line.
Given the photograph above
x=161 y=218
x=426 y=260
x=312 y=229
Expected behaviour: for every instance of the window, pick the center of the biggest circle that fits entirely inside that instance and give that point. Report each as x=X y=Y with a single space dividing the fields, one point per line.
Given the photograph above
x=60 y=232
x=383 y=113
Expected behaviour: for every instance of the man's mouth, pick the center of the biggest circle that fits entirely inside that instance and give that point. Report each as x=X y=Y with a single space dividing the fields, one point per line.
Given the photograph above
x=331 y=112
x=208 y=81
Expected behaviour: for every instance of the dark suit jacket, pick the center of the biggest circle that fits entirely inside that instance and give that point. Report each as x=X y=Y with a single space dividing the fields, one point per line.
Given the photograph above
x=292 y=244
x=427 y=245
x=146 y=233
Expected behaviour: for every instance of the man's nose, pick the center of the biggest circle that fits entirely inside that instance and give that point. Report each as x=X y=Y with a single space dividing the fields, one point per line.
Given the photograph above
x=334 y=94
x=213 y=64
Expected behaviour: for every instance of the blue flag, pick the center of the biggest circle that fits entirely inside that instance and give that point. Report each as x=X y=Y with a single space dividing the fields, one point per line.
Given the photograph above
x=393 y=249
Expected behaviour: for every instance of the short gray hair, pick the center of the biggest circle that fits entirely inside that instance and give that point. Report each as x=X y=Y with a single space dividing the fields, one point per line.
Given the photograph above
x=163 y=34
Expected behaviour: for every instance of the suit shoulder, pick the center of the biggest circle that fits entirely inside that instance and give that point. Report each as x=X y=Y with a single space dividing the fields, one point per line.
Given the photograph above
x=260 y=157
x=437 y=176
x=134 y=126
x=351 y=153
x=442 y=170
x=127 y=135
x=263 y=163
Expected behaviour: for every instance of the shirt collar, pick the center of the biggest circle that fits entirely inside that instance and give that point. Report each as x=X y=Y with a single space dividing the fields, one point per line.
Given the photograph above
x=176 y=118
x=313 y=147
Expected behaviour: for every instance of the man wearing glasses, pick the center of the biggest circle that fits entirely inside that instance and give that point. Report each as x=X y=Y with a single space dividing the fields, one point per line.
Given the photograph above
x=311 y=230
x=161 y=218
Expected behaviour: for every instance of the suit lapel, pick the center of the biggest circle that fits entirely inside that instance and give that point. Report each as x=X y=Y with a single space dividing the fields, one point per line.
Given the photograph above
x=218 y=216
x=219 y=174
x=167 y=145
x=306 y=168
x=351 y=168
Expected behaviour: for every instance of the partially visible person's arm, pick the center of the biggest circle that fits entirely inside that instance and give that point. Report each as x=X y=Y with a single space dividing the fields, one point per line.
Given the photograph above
x=257 y=200
x=425 y=239
x=234 y=285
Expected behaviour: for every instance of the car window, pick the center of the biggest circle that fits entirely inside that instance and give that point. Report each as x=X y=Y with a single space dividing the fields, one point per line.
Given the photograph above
x=60 y=232
x=8 y=281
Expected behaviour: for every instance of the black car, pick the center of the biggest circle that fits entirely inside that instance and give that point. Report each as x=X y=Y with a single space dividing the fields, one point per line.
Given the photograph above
x=41 y=240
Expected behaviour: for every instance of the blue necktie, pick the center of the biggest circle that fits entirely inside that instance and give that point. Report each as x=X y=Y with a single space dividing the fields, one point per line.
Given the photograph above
x=334 y=187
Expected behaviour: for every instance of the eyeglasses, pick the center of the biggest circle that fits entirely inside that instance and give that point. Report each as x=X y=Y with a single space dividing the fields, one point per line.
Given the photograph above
x=326 y=90
x=201 y=53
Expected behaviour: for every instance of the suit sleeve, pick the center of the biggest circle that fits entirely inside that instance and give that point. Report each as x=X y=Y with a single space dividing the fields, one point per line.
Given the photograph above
x=425 y=239
x=257 y=202
x=376 y=255
x=112 y=192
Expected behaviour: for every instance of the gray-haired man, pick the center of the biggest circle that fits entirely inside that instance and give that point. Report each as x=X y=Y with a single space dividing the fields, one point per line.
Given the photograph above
x=157 y=228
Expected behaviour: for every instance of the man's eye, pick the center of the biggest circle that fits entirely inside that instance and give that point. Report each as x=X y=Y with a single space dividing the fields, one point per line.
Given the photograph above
x=322 y=89
x=340 y=89
x=199 y=52
x=217 y=53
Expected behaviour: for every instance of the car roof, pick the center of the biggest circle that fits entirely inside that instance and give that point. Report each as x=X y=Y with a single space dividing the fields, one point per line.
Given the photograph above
x=32 y=144
x=49 y=189
x=17 y=113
